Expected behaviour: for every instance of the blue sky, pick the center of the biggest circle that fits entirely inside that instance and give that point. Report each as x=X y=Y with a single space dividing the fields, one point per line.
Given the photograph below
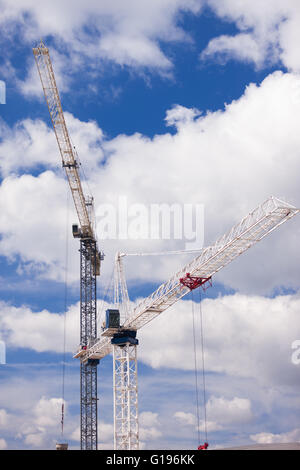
x=173 y=101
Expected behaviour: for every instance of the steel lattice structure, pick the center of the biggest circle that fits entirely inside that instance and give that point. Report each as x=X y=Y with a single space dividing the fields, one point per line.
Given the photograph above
x=44 y=65
x=90 y=257
x=126 y=427
x=88 y=334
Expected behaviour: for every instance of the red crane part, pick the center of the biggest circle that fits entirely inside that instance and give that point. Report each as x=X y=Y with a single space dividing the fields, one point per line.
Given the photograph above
x=192 y=282
x=203 y=446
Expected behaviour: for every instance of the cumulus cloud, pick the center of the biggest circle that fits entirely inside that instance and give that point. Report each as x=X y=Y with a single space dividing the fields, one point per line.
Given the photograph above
x=39 y=202
x=47 y=412
x=269 y=32
x=179 y=116
x=228 y=412
x=251 y=135
x=36 y=427
x=39 y=331
x=187 y=419
x=148 y=419
x=271 y=438
x=31 y=144
x=133 y=34
x=27 y=145
x=240 y=47
x=149 y=426
x=43 y=201
x=245 y=336
x=126 y=33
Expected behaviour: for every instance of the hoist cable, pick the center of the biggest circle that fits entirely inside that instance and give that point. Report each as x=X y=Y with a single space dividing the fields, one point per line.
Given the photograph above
x=108 y=287
x=196 y=370
x=65 y=315
x=203 y=364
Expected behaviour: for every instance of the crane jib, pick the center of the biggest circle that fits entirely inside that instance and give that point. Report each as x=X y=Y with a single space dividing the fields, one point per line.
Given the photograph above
x=252 y=228
x=44 y=65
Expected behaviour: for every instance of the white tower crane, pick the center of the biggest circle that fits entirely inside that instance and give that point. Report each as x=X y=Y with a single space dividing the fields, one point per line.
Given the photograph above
x=121 y=338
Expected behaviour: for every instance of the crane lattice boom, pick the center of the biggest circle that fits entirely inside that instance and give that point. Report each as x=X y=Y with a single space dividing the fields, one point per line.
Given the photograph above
x=70 y=164
x=253 y=228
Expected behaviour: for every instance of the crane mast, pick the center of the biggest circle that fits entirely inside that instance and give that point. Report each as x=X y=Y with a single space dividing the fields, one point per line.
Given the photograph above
x=90 y=257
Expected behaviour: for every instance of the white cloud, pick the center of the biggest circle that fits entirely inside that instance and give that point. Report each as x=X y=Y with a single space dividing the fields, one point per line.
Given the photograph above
x=48 y=412
x=149 y=426
x=271 y=438
x=148 y=430
x=229 y=411
x=30 y=397
x=106 y=432
x=185 y=419
x=149 y=434
x=28 y=144
x=269 y=32
x=30 y=86
x=39 y=331
x=251 y=136
x=244 y=336
x=179 y=116
x=38 y=425
x=132 y=34
x=31 y=144
x=241 y=47
x=188 y=419
x=125 y=33
x=148 y=419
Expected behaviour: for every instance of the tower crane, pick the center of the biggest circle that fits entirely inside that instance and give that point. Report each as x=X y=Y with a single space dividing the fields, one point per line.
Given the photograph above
x=120 y=339
x=119 y=335
x=90 y=256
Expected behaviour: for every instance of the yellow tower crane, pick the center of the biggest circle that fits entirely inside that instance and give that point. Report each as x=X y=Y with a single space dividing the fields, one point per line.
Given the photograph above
x=90 y=256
